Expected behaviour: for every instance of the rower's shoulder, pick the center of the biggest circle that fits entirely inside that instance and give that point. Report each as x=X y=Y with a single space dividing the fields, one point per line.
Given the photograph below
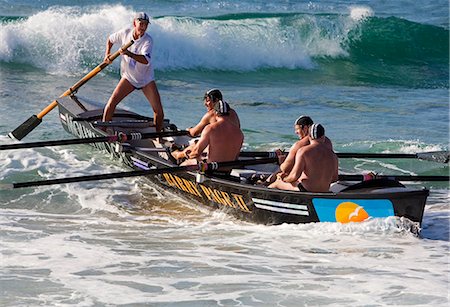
x=299 y=144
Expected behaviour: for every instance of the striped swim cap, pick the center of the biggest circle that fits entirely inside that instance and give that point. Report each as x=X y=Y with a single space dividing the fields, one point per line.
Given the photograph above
x=213 y=94
x=316 y=131
x=222 y=107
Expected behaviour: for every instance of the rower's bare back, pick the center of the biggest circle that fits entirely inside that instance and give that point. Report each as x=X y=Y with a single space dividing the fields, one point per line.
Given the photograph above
x=320 y=162
x=225 y=141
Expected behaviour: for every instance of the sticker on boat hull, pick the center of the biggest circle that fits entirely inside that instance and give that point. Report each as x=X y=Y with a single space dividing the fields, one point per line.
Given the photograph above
x=352 y=210
x=280 y=206
x=140 y=164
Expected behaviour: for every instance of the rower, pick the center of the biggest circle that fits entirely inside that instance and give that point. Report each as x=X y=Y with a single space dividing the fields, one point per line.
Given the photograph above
x=301 y=127
x=315 y=166
x=210 y=99
x=223 y=138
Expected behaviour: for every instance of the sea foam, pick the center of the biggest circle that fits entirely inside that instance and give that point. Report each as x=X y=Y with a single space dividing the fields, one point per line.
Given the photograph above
x=64 y=40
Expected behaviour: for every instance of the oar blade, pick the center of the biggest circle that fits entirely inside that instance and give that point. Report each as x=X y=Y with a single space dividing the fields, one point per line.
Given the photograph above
x=435 y=156
x=25 y=128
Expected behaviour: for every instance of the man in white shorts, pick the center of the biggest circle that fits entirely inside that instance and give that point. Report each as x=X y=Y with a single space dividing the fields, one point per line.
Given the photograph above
x=136 y=68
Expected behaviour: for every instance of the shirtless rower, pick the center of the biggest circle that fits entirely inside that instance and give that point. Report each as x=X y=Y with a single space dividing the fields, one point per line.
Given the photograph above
x=210 y=98
x=301 y=128
x=223 y=138
x=315 y=166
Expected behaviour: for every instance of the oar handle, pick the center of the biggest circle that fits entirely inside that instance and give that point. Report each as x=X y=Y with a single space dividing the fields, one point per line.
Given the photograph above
x=212 y=166
x=85 y=79
x=121 y=137
x=27 y=126
x=96 y=70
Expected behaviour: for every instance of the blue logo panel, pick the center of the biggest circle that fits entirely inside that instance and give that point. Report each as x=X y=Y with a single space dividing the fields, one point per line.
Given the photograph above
x=352 y=210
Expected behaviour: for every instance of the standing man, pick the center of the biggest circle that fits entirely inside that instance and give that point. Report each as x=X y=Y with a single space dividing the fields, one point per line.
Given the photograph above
x=315 y=166
x=136 y=68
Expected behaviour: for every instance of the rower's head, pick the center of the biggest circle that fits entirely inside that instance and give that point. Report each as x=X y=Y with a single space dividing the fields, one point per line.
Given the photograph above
x=316 y=131
x=211 y=97
x=140 y=23
x=222 y=108
x=301 y=126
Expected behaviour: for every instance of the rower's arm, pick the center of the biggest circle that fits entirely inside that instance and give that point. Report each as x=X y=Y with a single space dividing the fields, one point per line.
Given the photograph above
x=197 y=130
x=137 y=57
x=200 y=146
x=297 y=169
x=288 y=163
x=108 y=51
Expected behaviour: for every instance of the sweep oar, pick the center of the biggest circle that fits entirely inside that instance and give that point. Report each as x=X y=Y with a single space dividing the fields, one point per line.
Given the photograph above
x=435 y=156
x=396 y=177
x=121 y=137
x=32 y=122
x=202 y=167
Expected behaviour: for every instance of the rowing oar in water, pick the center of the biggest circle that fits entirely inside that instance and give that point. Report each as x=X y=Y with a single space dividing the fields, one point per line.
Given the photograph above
x=32 y=122
x=435 y=156
x=121 y=137
x=202 y=167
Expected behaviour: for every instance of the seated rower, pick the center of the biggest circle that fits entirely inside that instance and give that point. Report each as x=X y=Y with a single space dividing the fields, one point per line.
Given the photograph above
x=315 y=166
x=210 y=98
x=223 y=138
x=301 y=128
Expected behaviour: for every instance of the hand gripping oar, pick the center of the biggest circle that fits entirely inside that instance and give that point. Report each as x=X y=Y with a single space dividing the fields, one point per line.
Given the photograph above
x=202 y=167
x=435 y=156
x=32 y=122
x=121 y=137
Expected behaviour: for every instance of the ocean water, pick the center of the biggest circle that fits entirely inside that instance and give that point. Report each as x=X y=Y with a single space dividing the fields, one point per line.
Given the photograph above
x=374 y=73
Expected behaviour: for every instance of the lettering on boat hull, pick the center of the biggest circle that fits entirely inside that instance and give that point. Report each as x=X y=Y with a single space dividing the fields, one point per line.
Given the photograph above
x=222 y=198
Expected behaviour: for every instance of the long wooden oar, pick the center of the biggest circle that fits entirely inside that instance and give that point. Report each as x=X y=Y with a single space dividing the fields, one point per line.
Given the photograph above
x=396 y=177
x=121 y=137
x=203 y=167
x=435 y=156
x=32 y=122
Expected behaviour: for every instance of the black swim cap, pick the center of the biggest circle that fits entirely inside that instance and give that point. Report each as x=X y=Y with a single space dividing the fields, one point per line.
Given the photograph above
x=222 y=108
x=213 y=94
x=316 y=131
x=304 y=121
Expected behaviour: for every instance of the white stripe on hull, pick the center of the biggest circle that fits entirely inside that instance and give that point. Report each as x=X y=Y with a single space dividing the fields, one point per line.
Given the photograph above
x=280 y=207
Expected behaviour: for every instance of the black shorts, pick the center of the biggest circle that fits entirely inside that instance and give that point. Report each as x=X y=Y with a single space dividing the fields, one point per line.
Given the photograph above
x=301 y=188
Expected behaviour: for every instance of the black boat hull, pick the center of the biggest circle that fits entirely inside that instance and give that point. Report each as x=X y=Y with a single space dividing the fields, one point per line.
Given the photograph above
x=246 y=201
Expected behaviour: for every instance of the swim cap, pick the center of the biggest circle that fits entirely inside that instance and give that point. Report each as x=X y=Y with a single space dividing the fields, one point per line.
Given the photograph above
x=213 y=94
x=316 y=131
x=304 y=121
x=222 y=108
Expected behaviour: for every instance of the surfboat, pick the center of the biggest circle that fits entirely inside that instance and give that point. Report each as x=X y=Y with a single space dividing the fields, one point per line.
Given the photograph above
x=235 y=193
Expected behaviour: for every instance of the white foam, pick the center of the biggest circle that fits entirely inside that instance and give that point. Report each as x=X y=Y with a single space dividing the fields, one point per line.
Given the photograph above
x=64 y=40
x=359 y=13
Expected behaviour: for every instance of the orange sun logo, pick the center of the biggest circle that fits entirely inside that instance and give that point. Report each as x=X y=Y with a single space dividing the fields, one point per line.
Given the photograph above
x=350 y=212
